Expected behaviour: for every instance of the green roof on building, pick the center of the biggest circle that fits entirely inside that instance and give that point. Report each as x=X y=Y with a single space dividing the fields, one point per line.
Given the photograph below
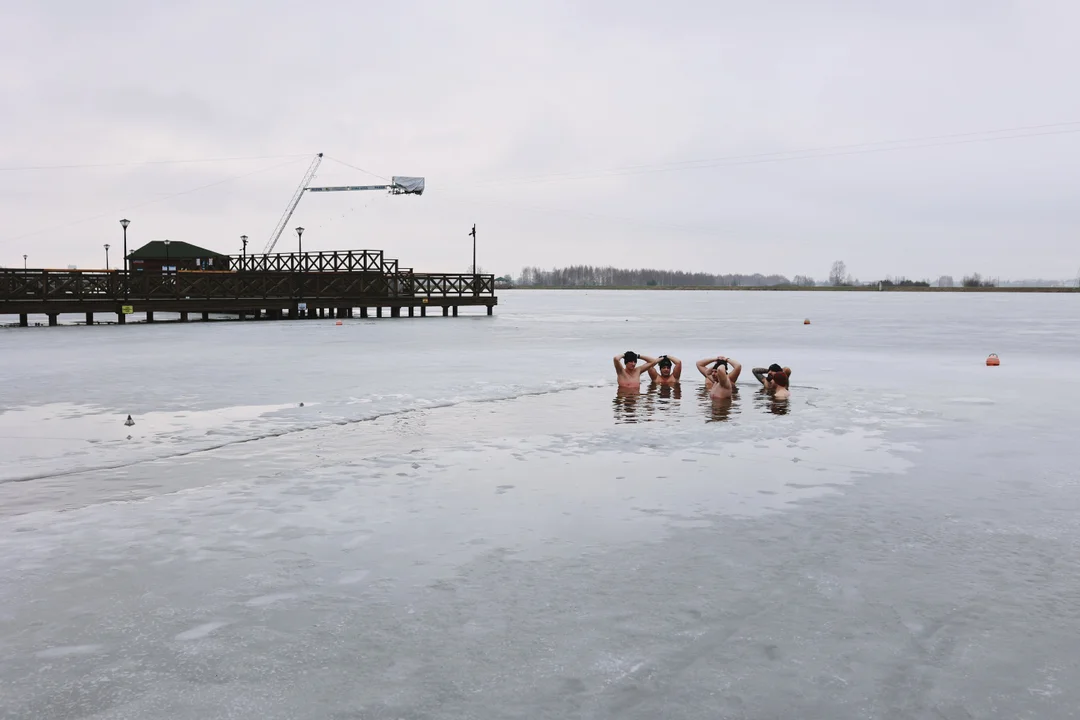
x=178 y=250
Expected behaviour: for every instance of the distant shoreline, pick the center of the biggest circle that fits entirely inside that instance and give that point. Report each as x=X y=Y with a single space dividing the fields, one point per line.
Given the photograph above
x=829 y=288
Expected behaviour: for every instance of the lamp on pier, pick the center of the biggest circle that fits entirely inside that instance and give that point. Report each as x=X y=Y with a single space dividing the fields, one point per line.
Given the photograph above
x=124 y=223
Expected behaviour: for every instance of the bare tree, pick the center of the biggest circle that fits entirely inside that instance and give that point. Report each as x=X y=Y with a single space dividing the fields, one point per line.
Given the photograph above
x=838 y=275
x=803 y=281
x=976 y=280
x=945 y=281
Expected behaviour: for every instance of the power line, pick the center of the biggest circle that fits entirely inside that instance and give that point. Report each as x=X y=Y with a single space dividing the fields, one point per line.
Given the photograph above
x=150 y=202
x=143 y=162
x=807 y=154
x=584 y=214
x=354 y=167
x=739 y=160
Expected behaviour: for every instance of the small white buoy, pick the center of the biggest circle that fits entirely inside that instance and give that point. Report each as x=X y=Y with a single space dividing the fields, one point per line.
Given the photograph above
x=129 y=422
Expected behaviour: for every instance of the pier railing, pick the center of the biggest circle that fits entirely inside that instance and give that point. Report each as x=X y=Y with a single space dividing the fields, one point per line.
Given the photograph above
x=447 y=284
x=336 y=261
x=83 y=285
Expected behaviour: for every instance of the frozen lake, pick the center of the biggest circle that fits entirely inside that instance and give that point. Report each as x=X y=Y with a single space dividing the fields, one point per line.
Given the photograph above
x=459 y=517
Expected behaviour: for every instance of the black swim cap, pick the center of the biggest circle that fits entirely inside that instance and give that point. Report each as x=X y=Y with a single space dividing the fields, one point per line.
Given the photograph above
x=775 y=368
x=629 y=356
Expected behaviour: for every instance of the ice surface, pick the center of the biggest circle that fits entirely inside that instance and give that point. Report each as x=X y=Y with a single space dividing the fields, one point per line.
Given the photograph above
x=466 y=520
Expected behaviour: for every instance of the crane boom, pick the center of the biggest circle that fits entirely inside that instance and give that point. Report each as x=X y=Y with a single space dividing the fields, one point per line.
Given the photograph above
x=280 y=228
x=399 y=185
x=340 y=188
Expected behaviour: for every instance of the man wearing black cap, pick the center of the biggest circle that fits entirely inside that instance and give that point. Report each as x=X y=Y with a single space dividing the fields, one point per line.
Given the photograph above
x=628 y=372
x=670 y=371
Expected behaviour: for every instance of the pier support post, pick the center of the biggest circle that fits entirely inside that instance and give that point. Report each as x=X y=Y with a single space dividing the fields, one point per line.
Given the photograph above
x=322 y=313
x=378 y=311
x=411 y=309
x=491 y=309
x=24 y=320
x=423 y=311
x=121 y=318
x=89 y=318
x=149 y=316
x=395 y=311
x=332 y=313
x=363 y=312
x=455 y=311
x=183 y=316
x=54 y=319
x=445 y=310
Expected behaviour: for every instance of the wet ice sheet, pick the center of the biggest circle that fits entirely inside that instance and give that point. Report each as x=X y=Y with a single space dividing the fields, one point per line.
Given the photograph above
x=238 y=571
x=551 y=564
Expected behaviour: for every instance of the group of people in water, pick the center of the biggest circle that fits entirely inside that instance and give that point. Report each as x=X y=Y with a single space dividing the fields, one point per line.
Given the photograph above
x=720 y=373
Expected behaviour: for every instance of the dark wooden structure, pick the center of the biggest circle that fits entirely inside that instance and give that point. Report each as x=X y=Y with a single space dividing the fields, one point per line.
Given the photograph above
x=258 y=286
x=160 y=256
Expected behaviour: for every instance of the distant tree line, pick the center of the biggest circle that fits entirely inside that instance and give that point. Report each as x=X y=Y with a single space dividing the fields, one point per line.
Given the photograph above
x=594 y=276
x=606 y=276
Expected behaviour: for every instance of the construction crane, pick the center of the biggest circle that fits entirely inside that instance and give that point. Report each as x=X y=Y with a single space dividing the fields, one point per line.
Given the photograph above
x=399 y=185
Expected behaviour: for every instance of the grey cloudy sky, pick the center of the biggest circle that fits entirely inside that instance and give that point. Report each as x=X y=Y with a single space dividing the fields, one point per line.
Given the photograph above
x=516 y=112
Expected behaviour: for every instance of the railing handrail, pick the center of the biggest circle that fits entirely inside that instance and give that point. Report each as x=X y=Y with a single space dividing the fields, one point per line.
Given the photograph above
x=44 y=285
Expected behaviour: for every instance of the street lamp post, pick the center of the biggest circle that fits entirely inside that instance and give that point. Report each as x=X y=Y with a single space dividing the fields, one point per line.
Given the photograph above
x=299 y=247
x=23 y=262
x=473 y=233
x=243 y=251
x=167 y=263
x=124 y=223
x=106 y=256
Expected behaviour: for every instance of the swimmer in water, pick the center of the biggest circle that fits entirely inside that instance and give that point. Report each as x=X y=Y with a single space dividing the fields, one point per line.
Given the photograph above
x=770 y=378
x=718 y=378
x=628 y=372
x=780 y=384
x=670 y=371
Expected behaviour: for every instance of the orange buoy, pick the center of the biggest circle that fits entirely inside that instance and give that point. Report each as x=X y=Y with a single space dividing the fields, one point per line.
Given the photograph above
x=993 y=360
x=338 y=322
x=806 y=321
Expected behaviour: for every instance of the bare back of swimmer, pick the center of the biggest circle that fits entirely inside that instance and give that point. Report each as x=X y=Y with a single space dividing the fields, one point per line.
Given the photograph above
x=775 y=380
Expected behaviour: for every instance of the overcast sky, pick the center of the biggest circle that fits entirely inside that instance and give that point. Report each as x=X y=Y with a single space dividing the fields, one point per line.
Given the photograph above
x=517 y=114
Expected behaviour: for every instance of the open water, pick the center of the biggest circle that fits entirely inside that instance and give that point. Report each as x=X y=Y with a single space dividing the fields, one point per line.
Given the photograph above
x=462 y=518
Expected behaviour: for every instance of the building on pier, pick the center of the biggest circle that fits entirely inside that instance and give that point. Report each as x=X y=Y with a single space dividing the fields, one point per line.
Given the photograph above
x=171 y=256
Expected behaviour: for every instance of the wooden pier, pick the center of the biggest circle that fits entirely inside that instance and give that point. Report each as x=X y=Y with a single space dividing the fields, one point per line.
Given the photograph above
x=274 y=287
